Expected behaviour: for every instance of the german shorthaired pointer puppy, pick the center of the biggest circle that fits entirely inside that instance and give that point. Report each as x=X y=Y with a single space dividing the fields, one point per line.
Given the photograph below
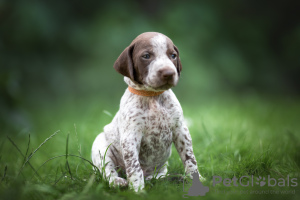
x=150 y=117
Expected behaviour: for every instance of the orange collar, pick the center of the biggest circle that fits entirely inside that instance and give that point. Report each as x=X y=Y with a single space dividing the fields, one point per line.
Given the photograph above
x=144 y=92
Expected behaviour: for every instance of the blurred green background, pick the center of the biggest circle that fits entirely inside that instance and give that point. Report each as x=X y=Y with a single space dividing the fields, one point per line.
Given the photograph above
x=55 y=51
x=239 y=87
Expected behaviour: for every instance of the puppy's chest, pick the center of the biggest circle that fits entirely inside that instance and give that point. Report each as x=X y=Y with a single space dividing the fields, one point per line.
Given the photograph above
x=158 y=122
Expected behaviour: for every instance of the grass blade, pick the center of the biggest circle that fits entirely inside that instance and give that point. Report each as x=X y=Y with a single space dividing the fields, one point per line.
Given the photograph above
x=78 y=146
x=67 y=146
x=14 y=144
x=4 y=175
x=27 y=149
x=30 y=156
x=67 y=154
x=104 y=164
x=70 y=155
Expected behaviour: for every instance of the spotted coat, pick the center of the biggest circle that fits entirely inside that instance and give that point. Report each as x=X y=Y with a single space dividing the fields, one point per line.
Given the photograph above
x=143 y=130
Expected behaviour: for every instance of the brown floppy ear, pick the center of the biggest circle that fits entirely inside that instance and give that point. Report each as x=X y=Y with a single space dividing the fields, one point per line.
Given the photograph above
x=178 y=66
x=124 y=63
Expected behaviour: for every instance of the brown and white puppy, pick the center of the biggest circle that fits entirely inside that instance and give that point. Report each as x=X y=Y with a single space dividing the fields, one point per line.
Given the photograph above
x=150 y=117
x=151 y=60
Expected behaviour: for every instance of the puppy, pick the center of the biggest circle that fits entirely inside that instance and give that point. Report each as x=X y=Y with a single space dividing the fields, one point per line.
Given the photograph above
x=139 y=138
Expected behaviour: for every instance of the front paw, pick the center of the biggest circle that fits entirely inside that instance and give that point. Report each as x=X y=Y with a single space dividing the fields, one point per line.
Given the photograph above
x=156 y=176
x=137 y=185
x=119 y=182
x=202 y=179
x=148 y=178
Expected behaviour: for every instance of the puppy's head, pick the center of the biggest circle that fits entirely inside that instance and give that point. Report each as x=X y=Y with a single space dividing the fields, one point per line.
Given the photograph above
x=151 y=60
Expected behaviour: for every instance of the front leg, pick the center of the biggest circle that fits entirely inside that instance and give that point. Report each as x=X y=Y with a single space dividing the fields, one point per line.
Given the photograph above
x=183 y=143
x=130 y=143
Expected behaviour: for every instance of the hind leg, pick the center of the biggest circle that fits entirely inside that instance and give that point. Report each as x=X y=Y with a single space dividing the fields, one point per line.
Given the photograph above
x=100 y=145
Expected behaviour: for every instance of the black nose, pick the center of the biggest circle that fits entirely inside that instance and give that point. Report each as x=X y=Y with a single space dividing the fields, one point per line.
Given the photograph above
x=167 y=74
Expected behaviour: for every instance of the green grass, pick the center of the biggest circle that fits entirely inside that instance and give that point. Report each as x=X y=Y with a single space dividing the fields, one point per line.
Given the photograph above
x=232 y=137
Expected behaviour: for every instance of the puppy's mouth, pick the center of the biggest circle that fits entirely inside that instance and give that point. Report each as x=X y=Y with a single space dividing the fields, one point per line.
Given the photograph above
x=162 y=86
x=167 y=85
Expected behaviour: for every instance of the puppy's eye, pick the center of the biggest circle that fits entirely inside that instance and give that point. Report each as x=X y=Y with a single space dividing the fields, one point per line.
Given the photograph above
x=146 y=56
x=173 y=56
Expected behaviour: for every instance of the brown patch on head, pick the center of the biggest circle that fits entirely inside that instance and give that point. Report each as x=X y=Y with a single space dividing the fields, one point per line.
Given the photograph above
x=144 y=37
x=131 y=62
x=127 y=65
x=142 y=47
x=124 y=63
x=178 y=62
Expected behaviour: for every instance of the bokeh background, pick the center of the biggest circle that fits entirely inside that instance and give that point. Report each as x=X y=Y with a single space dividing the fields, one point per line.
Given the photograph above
x=239 y=89
x=60 y=53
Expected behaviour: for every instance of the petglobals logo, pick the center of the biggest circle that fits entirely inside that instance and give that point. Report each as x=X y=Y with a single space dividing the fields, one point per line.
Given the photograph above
x=197 y=188
x=246 y=181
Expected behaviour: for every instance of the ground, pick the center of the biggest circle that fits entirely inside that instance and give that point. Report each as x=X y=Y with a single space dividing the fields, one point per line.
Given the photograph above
x=232 y=137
